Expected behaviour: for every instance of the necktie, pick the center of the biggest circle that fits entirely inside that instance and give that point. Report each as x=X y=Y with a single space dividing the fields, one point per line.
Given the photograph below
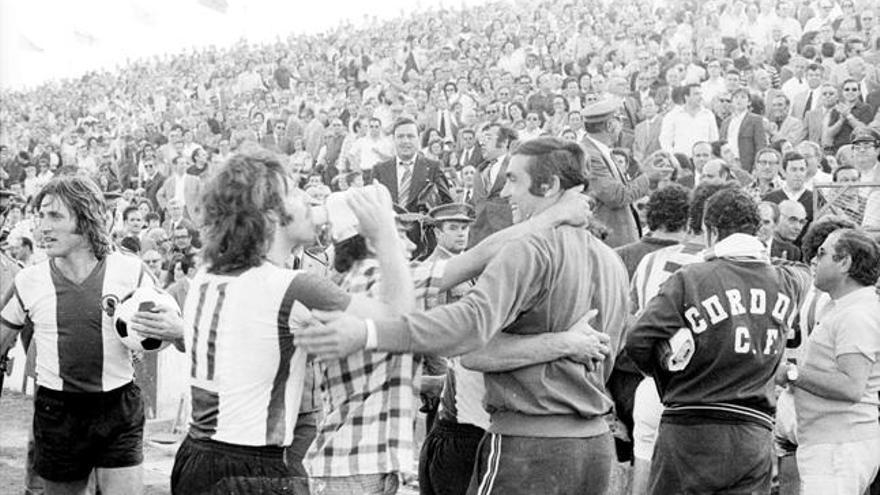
x=442 y=124
x=405 y=184
x=808 y=104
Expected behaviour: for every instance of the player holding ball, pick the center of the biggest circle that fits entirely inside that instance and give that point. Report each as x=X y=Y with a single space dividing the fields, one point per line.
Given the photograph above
x=88 y=413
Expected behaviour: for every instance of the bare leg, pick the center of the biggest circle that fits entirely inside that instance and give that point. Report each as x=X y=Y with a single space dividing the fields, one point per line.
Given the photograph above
x=80 y=487
x=121 y=481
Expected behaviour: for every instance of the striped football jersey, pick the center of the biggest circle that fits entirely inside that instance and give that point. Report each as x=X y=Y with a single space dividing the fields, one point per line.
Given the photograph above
x=246 y=375
x=77 y=347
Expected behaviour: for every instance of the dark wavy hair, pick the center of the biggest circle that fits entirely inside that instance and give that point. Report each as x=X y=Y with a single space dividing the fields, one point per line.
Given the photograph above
x=238 y=206
x=668 y=208
x=864 y=252
x=698 y=201
x=349 y=251
x=82 y=196
x=551 y=156
x=732 y=211
x=819 y=230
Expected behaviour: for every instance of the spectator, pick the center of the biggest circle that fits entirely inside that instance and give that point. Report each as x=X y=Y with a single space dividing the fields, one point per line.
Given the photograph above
x=686 y=125
x=183 y=188
x=794 y=171
x=613 y=192
x=744 y=130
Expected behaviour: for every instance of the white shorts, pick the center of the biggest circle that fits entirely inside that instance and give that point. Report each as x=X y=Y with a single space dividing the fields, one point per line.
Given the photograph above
x=838 y=468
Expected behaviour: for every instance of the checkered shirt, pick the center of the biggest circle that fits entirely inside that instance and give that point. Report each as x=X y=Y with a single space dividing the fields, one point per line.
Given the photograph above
x=370 y=398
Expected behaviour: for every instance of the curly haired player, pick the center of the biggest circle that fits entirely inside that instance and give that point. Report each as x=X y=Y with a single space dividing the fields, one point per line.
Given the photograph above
x=731 y=313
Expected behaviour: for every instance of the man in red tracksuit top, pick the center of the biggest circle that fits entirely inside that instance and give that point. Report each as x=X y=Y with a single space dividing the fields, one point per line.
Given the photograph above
x=729 y=317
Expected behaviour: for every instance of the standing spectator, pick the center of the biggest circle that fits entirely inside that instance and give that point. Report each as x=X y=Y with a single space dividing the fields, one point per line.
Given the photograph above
x=372 y=149
x=408 y=175
x=492 y=210
x=647 y=132
x=744 y=130
x=783 y=125
x=329 y=158
x=777 y=247
x=470 y=153
x=614 y=193
x=766 y=174
x=153 y=181
x=836 y=383
x=818 y=120
x=849 y=114
x=794 y=188
x=184 y=188
x=685 y=125
x=810 y=98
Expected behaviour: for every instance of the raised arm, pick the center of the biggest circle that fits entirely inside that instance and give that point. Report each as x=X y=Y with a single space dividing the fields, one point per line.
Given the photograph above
x=376 y=223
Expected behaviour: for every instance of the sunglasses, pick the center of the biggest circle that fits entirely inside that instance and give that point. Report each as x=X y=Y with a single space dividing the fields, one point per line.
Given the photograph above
x=851 y=90
x=724 y=100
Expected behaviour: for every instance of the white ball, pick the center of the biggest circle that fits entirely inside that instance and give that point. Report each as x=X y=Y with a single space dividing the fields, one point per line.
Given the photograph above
x=141 y=299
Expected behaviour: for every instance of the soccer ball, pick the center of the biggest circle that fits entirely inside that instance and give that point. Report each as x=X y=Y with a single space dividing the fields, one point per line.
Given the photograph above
x=141 y=299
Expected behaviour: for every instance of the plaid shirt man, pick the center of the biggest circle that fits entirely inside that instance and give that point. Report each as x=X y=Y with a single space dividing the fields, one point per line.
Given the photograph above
x=370 y=398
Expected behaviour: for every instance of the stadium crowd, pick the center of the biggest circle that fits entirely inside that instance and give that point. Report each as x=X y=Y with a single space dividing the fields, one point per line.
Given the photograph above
x=740 y=137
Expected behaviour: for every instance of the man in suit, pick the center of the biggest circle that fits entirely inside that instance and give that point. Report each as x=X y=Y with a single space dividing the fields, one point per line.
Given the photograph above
x=413 y=179
x=183 y=187
x=614 y=193
x=492 y=211
x=744 y=130
x=470 y=153
x=778 y=247
x=816 y=119
x=278 y=141
x=782 y=124
x=647 y=132
x=153 y=180
x=810 y=99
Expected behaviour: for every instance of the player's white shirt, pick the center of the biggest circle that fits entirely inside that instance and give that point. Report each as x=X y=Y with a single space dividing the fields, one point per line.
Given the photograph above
x=77 y=348
x=246 y=375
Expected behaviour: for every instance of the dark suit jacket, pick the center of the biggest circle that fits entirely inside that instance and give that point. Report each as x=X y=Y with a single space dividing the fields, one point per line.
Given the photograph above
x=873 y=99
x=492 y=211
x=752 y=137
x=151 y=189
x=284 y=145
x=426 y=172
x=780 y=248
x=614 y=196
x=475 y=159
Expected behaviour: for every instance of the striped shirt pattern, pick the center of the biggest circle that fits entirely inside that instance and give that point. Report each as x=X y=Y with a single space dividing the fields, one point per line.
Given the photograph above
x=246 y=375
x=656 y=267
x=370 y=398
x=77 y=348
